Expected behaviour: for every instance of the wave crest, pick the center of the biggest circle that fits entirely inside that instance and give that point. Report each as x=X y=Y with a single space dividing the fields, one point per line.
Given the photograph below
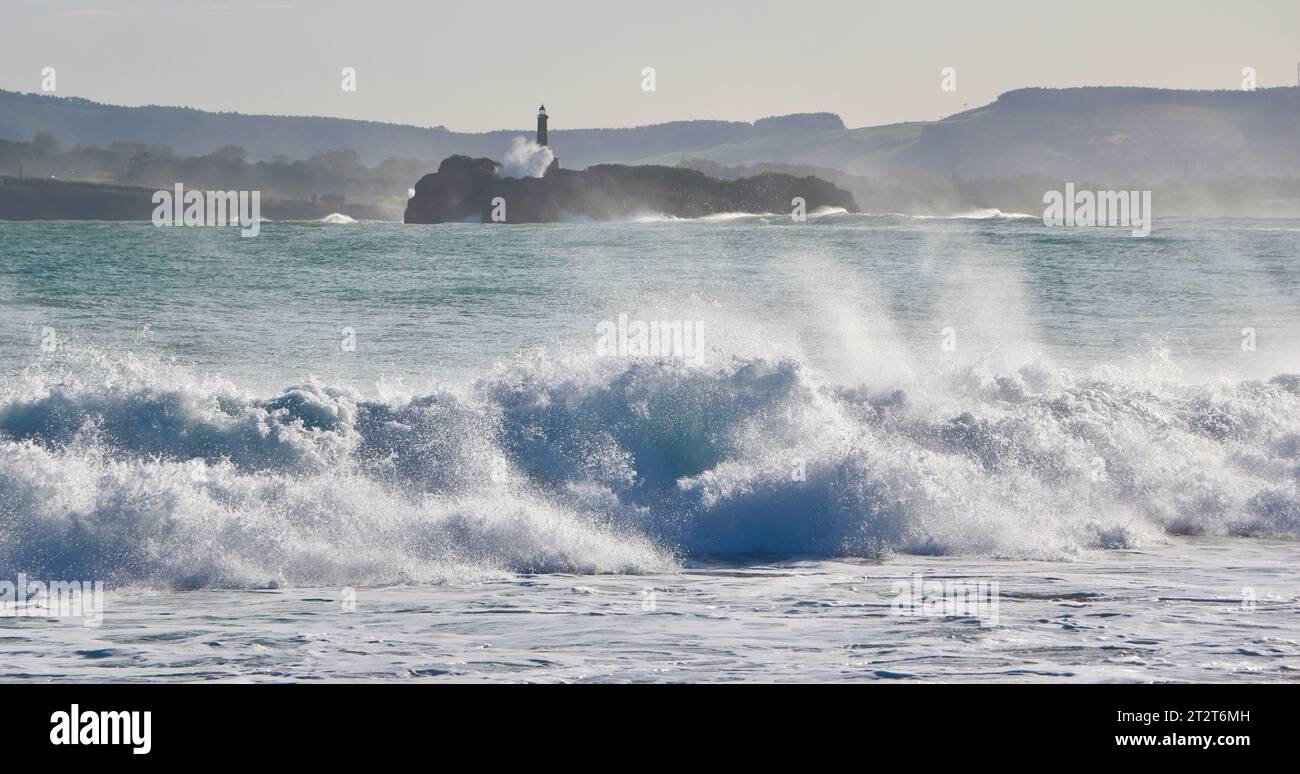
x=154 y=476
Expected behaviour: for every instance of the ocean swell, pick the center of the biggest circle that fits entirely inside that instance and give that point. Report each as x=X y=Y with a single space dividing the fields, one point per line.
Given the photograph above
x=143 y=473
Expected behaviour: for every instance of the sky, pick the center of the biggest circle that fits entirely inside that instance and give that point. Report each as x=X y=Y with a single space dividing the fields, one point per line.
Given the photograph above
x=477 y=65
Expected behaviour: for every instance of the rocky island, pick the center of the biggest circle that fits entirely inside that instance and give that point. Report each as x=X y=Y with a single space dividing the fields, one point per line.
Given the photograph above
x=471 y=189
x=530 y=187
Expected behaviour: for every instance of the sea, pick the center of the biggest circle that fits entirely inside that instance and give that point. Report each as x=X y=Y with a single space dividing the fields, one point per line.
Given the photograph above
x=738 y=448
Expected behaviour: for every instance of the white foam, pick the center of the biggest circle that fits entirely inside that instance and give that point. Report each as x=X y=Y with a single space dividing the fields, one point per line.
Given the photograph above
x=526 y=159
x=146 y=473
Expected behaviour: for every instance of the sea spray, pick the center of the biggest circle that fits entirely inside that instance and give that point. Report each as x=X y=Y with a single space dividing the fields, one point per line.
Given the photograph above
x=156 y=477
x=526 y=159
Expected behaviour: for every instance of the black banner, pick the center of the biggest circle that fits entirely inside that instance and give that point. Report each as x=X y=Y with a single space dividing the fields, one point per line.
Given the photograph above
x=144 y=724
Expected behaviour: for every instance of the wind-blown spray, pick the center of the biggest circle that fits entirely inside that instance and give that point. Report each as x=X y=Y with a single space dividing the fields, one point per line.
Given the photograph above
x=526 y=159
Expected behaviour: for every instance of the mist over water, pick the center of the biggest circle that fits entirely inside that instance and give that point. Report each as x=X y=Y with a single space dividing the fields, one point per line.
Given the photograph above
x=199 y=424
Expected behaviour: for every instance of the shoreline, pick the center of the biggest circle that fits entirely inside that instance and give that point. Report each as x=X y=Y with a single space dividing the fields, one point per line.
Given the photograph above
x=1165 y=613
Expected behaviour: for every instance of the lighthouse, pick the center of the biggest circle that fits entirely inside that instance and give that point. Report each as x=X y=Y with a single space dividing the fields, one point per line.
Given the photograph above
x=541 y=139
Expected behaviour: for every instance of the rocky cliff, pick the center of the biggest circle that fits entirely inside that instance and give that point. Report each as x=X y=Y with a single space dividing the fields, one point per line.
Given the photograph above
x=465 y=189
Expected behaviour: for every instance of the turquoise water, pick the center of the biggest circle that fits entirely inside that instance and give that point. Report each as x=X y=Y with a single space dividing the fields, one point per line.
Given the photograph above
x=463 y=488
x=432 y=302
x=375 y=403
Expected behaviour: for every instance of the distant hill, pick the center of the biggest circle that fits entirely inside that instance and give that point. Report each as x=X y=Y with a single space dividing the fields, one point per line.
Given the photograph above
x=74 y=121
x=1102 y=133
x=1211 y=151
x=28 y=199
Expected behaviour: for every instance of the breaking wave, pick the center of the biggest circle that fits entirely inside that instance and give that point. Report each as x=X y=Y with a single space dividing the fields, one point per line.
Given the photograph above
x=526 y=159
x=141 y=472
x=991 y=213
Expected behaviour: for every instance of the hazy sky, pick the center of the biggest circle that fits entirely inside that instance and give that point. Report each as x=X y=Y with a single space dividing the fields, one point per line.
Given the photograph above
x=485 y=64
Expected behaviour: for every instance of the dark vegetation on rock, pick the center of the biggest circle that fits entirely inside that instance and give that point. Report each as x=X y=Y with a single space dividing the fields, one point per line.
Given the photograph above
x=464 y=189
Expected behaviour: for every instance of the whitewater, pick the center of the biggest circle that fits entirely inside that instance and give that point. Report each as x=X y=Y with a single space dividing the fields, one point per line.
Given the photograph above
x=380 y=451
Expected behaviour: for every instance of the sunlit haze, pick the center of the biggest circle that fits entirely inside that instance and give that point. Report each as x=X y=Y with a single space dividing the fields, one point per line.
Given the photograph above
x=471 y=66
